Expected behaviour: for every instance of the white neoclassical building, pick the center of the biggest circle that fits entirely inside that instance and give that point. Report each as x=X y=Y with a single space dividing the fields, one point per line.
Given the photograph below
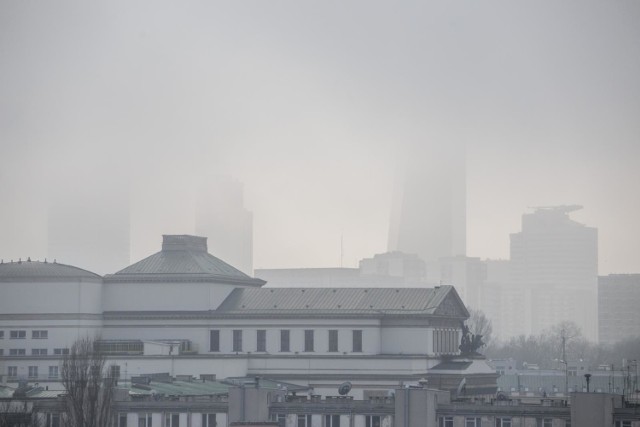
x=183 y=311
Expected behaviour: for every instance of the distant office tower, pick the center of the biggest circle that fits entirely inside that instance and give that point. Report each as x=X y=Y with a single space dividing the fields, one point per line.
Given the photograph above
x=223 y=219
x=554 y=267
x=409 y=267
x=467 y=274
x=90 y=227
x=429 y=207
x=618 y=307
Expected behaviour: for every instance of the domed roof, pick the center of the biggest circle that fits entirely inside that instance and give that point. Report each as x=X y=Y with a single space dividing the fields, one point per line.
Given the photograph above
x=41 y=270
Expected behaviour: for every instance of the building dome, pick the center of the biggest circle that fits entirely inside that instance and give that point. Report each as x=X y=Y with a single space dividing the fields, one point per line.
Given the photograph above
x=16 y=271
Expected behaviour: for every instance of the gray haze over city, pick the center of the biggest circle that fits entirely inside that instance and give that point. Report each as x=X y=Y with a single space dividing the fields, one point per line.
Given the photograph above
x=314 y=107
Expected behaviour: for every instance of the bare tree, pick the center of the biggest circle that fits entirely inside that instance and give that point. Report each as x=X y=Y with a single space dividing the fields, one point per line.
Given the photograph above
x=89 y=392
x=479 y=324
x=17 y=413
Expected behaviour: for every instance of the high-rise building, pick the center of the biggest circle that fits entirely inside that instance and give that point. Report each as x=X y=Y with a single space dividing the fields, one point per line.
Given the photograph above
x=90 y=227
x=223 y=219
x=429 y=208
x=554 y=272
x=618 y=307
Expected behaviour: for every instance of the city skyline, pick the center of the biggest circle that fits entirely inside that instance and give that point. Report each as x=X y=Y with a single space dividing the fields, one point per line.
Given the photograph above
x=310 y=107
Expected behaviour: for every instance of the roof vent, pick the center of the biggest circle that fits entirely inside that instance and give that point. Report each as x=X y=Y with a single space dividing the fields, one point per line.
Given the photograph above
x=184 y=242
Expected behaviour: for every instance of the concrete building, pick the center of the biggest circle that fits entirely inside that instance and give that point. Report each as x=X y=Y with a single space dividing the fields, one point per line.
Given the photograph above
x=618 y=307
x=554 y=272
x=168 y=402
x=223 y=218
x=429 y=207
x=184 y=311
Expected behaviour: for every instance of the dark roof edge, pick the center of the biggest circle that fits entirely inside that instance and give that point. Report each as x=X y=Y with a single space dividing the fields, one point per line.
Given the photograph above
x=183 y=278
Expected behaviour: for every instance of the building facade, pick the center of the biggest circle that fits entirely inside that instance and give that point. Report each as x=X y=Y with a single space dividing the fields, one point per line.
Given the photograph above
x=184 y=311
x=618 y=307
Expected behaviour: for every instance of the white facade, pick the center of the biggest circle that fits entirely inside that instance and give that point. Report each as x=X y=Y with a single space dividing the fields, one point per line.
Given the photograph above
x=183 y=311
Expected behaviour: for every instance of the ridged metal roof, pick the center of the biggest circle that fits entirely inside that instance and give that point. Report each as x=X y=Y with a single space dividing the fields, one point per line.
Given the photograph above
x=400 y=300
x=183 y=258
x=21 y=270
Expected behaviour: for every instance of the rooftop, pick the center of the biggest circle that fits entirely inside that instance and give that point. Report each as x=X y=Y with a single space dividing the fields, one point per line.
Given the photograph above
x=43 y=270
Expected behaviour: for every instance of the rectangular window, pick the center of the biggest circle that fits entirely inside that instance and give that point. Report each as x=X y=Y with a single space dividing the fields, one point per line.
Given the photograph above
x=304 y=420
x=372 y=421
x=208 y=420
x=503 y=422
x=261 y=338
x=357 y=341
x=144 y=420
x=1 y=335
x=544 y=422
x=33 y=372
x=332 y=421
x=237 y=340
x=12 y=371
x=623 y=423
x=39 y=335
x=17 y=352
x=214 y=340
x=308 y=340
x=333 y=340
x=284 y=340
x=473 y=422
x=114 y=371
x=1 y=351
x=172 y=420
x=38 y=351
x=60 y=351
x=52 y=420
x=445 y=422
x=122 y=420
x=53 y=372
x=18 y=335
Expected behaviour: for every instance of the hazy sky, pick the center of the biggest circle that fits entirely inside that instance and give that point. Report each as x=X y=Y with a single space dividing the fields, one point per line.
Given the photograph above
x=310 y=104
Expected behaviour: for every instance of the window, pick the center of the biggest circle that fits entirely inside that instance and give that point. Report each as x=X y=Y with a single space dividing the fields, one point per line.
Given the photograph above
x=357 y=341
x=284 y=340
x=445 y=422
x=503 y=422
x=308 y=340
x=33 y=372
x=623 y=423
x=304 y=420
x=114 y=371
x=473 y=422
x=237 y=340
x=1 y=335
x=214 y=340
x=261 y=338
x=39 y=335
x=332 y=420
x=60 y=351
x=12 y=371
x=208 y=420
x=1 y=351
x=17 y=352
x=333 y=340
x=53 y=372
x=122 y=420
x=52 y=420
x=544 y=422
x=38 y=351
x=372 y=421
x=18 y=335
x=144 y=420
x=172 y=420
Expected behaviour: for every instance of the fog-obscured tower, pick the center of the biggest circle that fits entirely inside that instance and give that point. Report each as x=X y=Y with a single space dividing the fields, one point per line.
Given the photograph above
x=223 y=219
x=429 y=207
x=89 y=227
x=554 y=267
